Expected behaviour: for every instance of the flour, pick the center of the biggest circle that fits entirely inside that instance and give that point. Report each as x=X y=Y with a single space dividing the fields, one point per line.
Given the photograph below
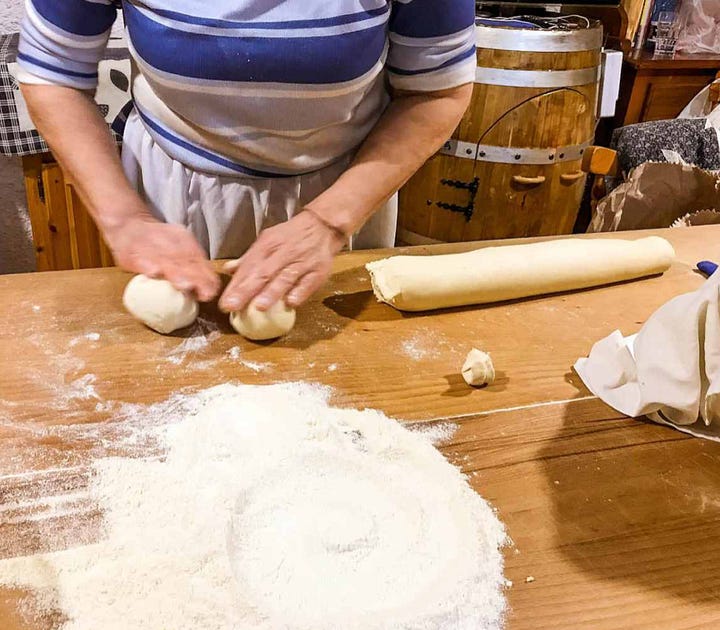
x=62 y=375
x=255 y=366
x=269 y=510
x=91 y=336
x=202 y=334
x=235 y=354
x=82 y=388
x=417 y=348
x=436 y=433
x=31 y=511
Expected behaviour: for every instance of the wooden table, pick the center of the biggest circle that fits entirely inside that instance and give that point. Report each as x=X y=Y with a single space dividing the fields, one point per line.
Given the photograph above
x=617 y=520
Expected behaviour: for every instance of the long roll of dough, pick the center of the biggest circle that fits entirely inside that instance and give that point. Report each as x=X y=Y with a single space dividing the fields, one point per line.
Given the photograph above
x=493 y=274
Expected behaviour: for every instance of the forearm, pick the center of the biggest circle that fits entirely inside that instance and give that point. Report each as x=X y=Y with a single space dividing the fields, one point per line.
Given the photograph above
x=79 y=138
x=409 y=132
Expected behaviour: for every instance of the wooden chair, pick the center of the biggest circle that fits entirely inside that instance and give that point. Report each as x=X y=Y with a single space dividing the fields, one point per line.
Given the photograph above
x=601 y=163
x=715 y=93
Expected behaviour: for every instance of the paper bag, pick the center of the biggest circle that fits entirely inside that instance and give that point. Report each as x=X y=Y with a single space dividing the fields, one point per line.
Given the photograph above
x=656 y=195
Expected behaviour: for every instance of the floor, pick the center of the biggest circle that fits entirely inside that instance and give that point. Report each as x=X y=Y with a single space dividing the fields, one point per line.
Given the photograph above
x=16 y=253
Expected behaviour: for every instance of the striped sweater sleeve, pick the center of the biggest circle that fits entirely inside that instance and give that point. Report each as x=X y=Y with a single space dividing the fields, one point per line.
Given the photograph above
x=62 y=41
x=432 y=44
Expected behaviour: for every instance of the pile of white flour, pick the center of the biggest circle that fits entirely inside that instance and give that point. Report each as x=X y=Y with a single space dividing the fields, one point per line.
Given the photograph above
x=271 y=510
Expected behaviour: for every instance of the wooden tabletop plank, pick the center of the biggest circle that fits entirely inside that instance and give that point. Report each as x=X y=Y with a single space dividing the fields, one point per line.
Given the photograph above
x=615 y=519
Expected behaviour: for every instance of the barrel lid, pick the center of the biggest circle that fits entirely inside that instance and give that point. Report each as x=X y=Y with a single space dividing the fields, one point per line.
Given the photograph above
x=560 y=23
x=564 y=34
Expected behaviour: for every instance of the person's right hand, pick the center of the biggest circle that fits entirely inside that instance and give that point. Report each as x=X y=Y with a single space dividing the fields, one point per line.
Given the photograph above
x=143 y=244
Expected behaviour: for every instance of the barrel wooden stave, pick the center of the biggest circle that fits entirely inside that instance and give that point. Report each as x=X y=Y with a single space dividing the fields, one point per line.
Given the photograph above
x=508 y=116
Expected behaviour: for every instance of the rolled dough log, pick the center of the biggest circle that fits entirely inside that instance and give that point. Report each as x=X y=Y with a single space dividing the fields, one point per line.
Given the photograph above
x=493 y=274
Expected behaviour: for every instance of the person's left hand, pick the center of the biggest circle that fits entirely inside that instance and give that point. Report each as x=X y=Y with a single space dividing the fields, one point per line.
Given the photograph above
x=288 y=261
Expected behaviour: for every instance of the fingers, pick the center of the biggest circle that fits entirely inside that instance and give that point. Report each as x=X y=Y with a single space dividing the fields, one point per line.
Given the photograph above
x=195 y=275
x=194 y=278
x=290 y=259
x=148 y=268
x=243 y=288
x=261 y=264
x=306 y=286
x=278 y=288
x=181 y=262
x=188 y=277
x=194 y=271
x=207 y=284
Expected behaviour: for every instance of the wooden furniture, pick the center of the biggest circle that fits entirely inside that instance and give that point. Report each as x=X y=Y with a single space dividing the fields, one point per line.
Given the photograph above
x=600 y=162
x=615 y=519
x=512 y=167
x=64 y=234
x=633 y=10
x=659 y=89
x=715 y=92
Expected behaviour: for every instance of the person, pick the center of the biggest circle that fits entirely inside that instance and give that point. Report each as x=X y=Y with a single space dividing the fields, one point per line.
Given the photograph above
x=271 y=131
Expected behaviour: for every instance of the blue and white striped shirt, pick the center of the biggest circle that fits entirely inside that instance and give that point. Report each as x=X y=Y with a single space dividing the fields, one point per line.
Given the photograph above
x=257 y=87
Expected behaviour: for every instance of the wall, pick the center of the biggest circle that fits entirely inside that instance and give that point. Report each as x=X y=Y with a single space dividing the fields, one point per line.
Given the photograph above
x=16 y=252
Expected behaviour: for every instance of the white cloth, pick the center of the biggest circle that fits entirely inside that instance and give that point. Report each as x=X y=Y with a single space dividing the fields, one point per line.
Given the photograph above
x=226 y=214
x=671 y=372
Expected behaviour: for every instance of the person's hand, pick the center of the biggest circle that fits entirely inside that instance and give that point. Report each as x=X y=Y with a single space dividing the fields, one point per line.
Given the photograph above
x=288 y=261
x=145 y=245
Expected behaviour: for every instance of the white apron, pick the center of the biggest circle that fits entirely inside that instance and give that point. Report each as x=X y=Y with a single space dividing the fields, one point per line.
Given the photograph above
x=226 y=214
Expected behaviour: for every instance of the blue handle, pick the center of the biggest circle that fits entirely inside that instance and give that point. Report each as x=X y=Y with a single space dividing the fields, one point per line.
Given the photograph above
x=707 y=267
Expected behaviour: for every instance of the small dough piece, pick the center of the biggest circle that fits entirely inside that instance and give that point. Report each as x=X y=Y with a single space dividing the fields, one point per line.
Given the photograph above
x=478 y=369
x=494 y=274
x=257 y=325
x=159 y=305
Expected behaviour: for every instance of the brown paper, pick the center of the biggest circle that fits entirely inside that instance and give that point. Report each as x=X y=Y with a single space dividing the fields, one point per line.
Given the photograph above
x=656 y=195
x=702 y=217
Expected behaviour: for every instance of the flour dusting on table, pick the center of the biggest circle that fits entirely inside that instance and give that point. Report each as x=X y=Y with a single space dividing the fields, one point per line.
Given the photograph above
x=420 y=346
x=202 y=334
x=235 y=353
x=265 y=508
x=91 y=336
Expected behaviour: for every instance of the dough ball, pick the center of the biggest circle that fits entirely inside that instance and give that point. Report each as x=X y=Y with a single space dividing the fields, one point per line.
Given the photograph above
x=159 y=305
x=257 y=325
x=478 y=368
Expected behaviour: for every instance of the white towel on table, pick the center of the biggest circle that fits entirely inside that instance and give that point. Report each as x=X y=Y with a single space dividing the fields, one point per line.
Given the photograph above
x=669 y=371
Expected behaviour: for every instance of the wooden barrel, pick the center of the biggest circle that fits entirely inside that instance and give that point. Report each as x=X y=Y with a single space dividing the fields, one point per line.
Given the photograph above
x=513 y=166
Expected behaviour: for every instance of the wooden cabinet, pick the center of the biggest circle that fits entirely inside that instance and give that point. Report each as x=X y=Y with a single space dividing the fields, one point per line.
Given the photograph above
x=659 y=89
x=64 y=234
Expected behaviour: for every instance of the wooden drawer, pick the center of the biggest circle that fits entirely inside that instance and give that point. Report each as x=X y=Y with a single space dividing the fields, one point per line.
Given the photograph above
x=64 y=234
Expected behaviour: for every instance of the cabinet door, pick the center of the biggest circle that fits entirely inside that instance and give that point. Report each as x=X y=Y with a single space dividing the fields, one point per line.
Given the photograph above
x=668 y=96
x=88 y=247
x=64 y=235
